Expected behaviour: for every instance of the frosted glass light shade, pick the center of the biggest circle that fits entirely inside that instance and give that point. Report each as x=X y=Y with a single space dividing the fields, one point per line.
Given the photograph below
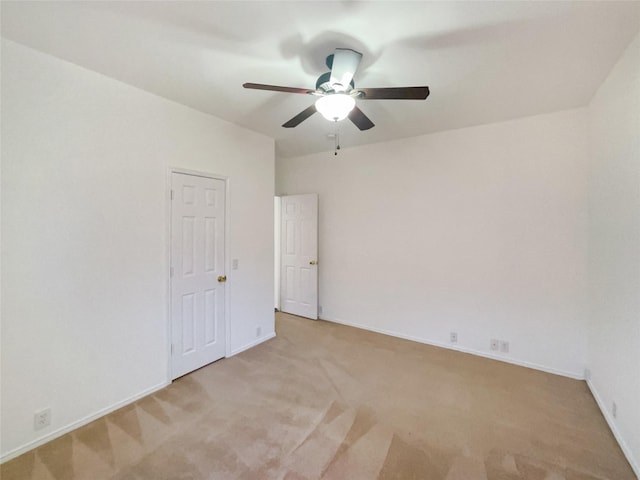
x=335 y=107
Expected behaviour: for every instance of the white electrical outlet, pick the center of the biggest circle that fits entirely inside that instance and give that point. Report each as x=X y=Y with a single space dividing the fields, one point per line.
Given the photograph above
x=42 y=419
x=614 y=410
x=453 y=337
x=504 y=346
x=235 y=263
x=494 y=345
x=258 y=331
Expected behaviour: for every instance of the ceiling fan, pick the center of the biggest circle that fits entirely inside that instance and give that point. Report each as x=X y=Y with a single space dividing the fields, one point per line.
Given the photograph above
x=338 y=94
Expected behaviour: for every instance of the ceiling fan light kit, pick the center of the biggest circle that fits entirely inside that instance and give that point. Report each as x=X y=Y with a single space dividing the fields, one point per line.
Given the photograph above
x=335 y=107
x=338 y=93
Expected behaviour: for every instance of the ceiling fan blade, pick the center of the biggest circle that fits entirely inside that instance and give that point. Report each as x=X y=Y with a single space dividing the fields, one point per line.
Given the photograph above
x=276 y=88
x=344 y=66
x=301 y=117
x=360 y=120
x=393 y=93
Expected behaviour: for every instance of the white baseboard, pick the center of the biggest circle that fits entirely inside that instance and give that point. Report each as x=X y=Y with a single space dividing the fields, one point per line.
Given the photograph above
x=260 y=340
x=535 y=366
x=102 y=412
x=79 y=423
x=574 y=375
x=614 y=429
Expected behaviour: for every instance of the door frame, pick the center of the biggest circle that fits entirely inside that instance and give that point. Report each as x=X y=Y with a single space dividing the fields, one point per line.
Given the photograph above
x=227 y=322
x=277 y=234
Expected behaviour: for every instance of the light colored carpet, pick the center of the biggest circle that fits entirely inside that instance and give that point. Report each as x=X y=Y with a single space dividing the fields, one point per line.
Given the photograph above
x=327 y=401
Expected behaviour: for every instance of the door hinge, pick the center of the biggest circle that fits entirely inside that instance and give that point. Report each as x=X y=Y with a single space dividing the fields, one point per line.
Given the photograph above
x=171 y=194
x=171 y=272
x=172 y=349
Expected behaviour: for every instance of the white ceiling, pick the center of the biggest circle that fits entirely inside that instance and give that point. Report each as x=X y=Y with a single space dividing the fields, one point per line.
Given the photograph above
x=484 y=61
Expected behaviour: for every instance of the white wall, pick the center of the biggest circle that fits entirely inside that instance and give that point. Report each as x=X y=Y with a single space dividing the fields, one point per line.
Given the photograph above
x=85 y=161
x=614 y=249
x=481 y=231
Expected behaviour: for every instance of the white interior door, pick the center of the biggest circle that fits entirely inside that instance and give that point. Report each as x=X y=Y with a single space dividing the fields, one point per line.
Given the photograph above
x=299 y=255
x=197 y=272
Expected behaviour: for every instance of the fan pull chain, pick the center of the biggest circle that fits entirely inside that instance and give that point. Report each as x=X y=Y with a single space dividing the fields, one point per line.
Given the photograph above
x=336 y=138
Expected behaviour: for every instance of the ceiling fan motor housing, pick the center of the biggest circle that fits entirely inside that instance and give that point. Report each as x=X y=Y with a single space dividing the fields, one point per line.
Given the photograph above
x=323 y=84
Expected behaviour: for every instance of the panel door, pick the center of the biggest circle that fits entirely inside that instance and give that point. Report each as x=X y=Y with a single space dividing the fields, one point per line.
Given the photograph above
x=197 y=262
x=299 y=255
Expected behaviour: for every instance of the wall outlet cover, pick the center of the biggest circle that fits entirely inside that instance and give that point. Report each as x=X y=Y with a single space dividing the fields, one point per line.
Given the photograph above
x=453 y=337
x=494 y=345
x=42 y=419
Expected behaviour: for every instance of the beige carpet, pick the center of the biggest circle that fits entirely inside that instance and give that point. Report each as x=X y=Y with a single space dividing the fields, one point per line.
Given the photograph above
x=333 y=402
